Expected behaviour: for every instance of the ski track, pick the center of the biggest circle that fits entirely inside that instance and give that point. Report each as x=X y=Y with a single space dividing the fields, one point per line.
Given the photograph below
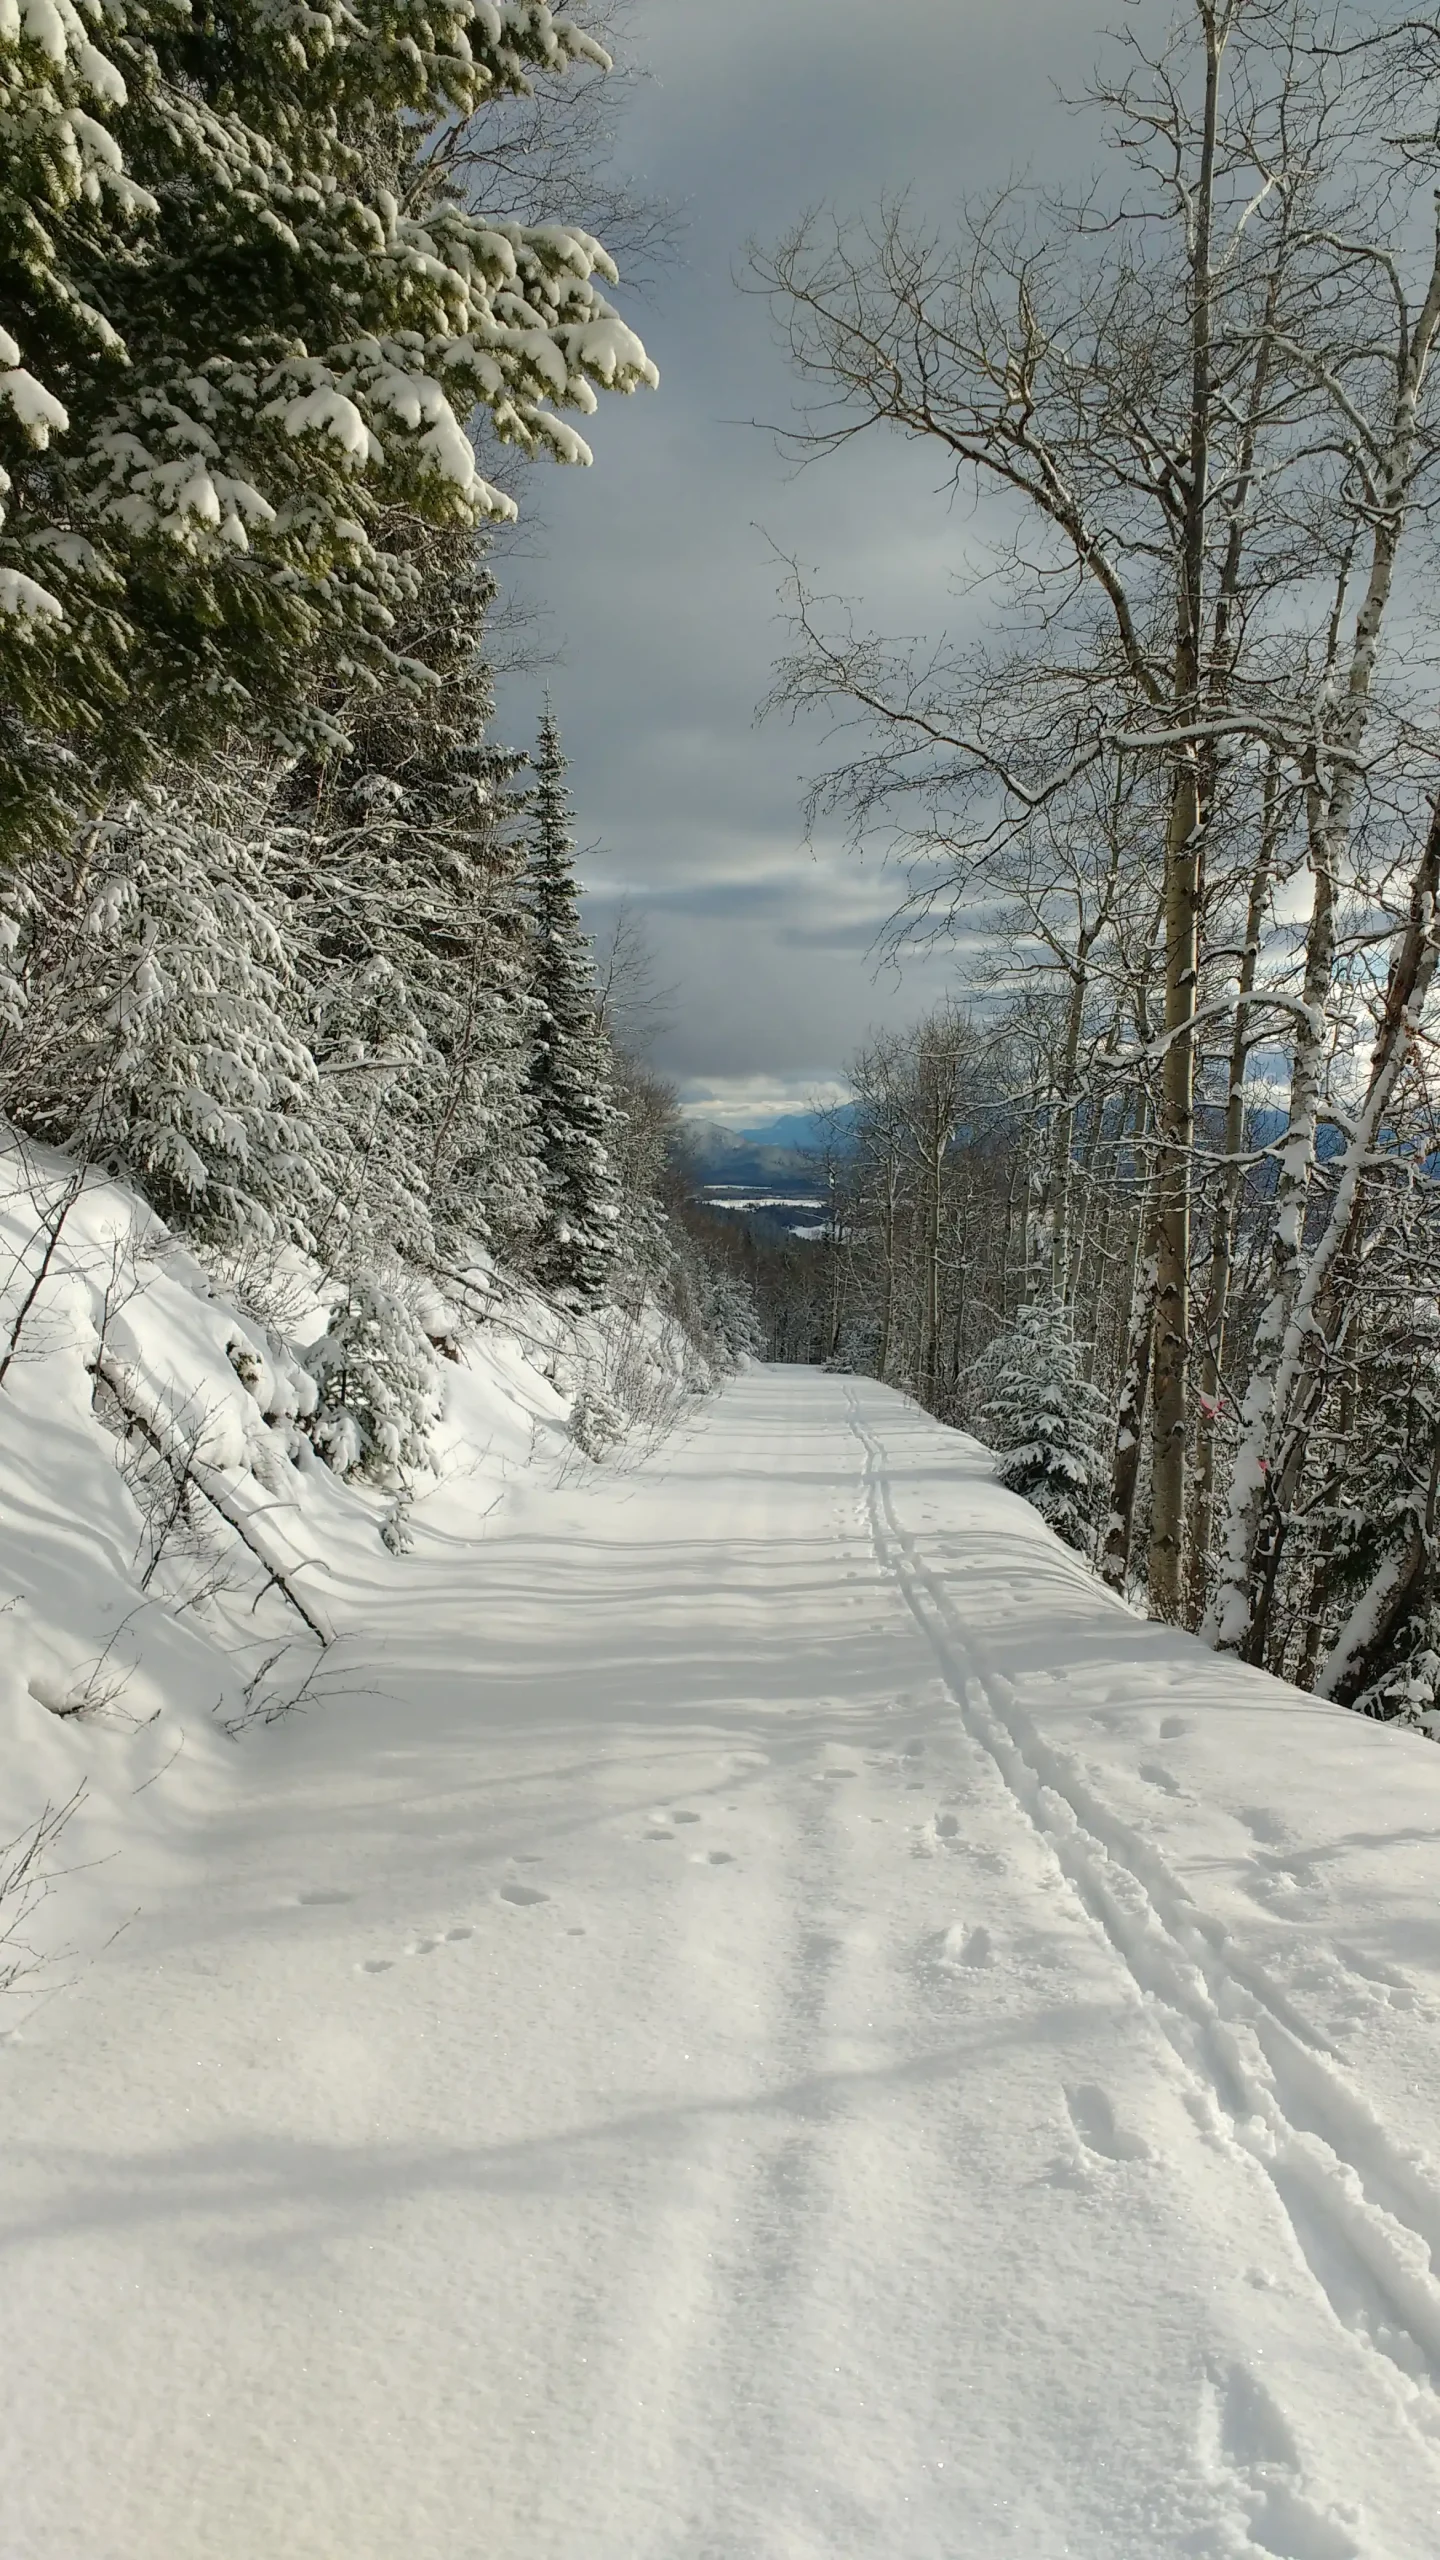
x=1365 y=2216
x=722 y=2082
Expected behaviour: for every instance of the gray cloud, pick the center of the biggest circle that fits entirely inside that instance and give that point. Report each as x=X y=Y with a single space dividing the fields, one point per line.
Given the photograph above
x=659 y=567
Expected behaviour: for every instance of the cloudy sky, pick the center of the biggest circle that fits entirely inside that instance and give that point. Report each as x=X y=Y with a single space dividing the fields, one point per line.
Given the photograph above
x=658 y=568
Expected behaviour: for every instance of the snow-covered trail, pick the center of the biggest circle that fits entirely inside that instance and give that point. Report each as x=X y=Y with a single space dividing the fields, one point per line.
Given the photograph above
x=774 y=2022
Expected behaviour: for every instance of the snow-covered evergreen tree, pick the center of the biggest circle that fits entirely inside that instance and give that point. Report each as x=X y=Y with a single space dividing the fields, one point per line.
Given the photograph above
x=151 y=1010
x=575 y=1246
x=377 y=1381
x=640 y=1144
x=1379 y=1534
x=733 y=1321
x=247 y=317
x=407 y=884
x=1045 y=1423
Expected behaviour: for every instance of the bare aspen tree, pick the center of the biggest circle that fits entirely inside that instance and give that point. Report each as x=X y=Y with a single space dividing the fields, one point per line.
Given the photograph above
x=1224 y=1206
x=1130 y=374
x=1386 y=453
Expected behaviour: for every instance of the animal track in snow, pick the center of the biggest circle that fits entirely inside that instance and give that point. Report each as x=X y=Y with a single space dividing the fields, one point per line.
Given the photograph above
x=719 y=1858
x=658 y=1832
x=523 y=1895
x=684 y=1817
x=1154 y=1776
x=1093 y=2117
x=322 y=1894
x=1245 y=2443
x=947 y=1826
x=420 y=1946
x=960 y=1945
x=1373 y=1969
x=1172 y=1727
x=1263 y=1825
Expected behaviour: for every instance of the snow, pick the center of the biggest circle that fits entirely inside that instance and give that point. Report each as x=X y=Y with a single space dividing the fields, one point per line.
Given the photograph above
x=757 y=2013
x=26 y=599
x=328 y=412
x=35 y=410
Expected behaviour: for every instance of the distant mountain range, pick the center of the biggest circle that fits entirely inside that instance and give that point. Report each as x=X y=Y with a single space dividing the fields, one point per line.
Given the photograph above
x=803 y=1128
x=785 y=1152
x=716 y=1154
x=780 y=1150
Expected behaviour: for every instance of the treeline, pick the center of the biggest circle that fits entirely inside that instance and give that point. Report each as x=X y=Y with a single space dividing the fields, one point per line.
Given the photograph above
x=1158 y=1209
x=287 y=936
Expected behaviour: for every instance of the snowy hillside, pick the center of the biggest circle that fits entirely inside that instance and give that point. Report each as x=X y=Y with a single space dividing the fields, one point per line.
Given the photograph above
x=760 y=2013
x=177 y=1564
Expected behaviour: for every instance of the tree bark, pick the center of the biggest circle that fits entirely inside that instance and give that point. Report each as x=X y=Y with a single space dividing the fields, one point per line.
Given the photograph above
x=1283 y=1389
x=1169 y=1414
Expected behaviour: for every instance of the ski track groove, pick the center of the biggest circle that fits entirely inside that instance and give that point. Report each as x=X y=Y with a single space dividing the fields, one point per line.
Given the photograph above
x=1364 y=2214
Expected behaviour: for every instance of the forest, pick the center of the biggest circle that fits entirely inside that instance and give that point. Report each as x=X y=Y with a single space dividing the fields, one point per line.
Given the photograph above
x=719 y=1280
x=289 y=938
x=1150 y=1202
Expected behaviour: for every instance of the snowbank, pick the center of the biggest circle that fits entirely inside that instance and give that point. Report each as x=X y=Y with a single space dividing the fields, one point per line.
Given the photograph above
x=176 y=1563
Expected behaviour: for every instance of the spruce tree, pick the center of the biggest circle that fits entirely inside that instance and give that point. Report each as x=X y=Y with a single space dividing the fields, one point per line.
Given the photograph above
x=148 y=1010
x=377 y=1383
x=1377 y=1535
x=1045 y=1423
x=247 y=317
x=574 y=1109
x=407 y=889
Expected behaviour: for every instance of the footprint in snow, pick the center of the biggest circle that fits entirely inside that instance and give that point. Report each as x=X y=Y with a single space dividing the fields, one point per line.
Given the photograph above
x=1246 y=2445
x=960 y=1945
x=420 y=1947
x=684 y=1817
x=523 y=1895
x=947 y=1826
x=1172 y=1727
x=1383 y=1977
x=1093 y=2117
x=1154 y=1776
x=323 y=1894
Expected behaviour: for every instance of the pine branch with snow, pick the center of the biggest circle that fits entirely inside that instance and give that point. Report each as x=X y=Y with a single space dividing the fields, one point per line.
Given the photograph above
x=247 y=320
